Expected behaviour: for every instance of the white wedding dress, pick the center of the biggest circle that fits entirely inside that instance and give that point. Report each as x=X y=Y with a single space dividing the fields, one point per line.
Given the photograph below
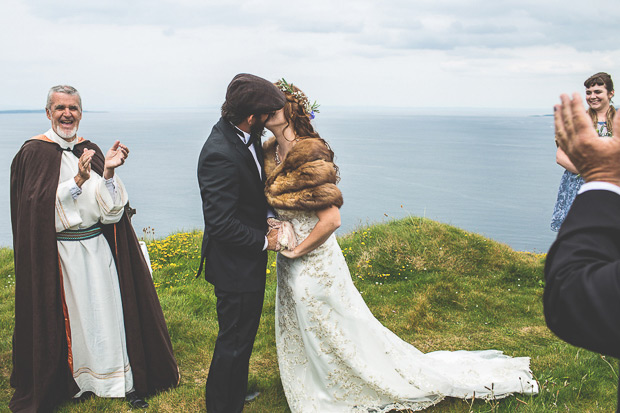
x=334 y=356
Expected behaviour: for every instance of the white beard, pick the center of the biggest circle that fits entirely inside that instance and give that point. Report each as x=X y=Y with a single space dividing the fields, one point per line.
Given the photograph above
x=66 y=135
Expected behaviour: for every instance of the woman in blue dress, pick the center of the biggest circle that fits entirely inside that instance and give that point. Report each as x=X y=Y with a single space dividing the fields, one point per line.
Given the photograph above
x=599 y=91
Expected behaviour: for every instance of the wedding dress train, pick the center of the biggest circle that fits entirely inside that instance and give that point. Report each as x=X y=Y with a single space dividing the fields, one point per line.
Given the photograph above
x=334 y=356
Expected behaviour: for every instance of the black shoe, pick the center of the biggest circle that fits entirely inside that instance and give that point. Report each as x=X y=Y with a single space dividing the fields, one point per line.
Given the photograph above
x=251 y=396
x=135 y=400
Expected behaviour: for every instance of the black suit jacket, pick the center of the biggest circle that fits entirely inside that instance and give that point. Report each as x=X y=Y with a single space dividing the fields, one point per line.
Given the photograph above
x=582 y=271
x=234 y=210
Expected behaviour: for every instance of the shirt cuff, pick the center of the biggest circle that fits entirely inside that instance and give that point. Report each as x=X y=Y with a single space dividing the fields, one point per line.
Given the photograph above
x=600 y=186
x=75 y=190
x=111 y=185
x=266 y=243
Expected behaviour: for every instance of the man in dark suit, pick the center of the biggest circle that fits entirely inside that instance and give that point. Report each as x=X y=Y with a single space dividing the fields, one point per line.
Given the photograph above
x=582 y=292
x=235 y=243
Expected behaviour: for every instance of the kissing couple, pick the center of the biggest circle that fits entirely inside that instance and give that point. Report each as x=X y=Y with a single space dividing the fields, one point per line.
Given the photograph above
x=333 y=355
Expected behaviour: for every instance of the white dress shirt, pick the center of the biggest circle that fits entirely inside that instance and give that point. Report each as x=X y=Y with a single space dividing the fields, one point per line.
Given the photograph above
x=599 y=185
x=245 y=139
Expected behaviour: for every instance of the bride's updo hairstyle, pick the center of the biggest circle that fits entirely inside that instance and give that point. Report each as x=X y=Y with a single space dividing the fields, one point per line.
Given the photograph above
x=298 y=111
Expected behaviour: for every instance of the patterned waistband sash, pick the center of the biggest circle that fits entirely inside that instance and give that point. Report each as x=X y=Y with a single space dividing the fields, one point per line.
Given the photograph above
x=79 y=234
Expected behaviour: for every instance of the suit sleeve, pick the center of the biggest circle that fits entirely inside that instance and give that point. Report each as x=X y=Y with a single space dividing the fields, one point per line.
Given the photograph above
x=219 y=188
x=582 y=272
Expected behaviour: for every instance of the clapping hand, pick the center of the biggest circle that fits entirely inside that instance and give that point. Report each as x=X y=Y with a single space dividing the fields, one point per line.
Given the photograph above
x=84 y=167
x=115 y=157
x=596 y=159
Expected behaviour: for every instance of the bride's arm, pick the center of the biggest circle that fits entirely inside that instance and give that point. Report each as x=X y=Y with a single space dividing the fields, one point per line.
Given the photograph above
x=329 y=221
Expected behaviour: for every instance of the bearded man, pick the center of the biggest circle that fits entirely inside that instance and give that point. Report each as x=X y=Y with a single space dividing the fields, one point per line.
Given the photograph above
x=87 y=317
x=231 y=176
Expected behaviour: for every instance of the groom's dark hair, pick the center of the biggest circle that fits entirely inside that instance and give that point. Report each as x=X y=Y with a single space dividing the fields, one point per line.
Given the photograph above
x=230 y=115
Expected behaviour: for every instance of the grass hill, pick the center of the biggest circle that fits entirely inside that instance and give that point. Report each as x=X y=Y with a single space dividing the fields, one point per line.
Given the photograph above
x=436 y=286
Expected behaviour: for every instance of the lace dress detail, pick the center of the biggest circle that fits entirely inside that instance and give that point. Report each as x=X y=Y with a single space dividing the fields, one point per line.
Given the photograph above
x=334 y=356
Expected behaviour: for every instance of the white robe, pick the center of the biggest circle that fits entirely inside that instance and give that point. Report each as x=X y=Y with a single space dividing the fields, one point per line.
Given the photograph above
x=90 y=281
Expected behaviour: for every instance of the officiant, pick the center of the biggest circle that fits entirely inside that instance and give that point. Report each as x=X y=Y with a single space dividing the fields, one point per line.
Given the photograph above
x=87 y=317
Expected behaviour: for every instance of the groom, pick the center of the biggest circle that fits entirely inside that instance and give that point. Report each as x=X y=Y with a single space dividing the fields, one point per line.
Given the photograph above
x=235 y=242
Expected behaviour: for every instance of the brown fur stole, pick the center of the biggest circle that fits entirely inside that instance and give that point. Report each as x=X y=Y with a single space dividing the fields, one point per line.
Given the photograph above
x=306 y=180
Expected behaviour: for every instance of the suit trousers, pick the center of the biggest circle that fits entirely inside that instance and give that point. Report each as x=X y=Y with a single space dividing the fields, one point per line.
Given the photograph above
x=238 y=316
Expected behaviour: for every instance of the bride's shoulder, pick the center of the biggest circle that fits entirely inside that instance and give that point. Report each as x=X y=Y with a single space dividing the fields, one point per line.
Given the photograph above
x=310 y=149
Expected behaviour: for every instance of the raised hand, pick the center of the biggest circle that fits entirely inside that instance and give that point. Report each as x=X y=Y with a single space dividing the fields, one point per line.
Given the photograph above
x=115 y=157
x=596 y=159
x=84 y=167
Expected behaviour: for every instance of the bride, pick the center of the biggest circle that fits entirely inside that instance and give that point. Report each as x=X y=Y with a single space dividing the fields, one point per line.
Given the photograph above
x=333 y=355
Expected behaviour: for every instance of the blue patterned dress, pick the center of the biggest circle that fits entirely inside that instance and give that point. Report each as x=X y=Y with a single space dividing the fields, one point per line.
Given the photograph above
x=569 y=186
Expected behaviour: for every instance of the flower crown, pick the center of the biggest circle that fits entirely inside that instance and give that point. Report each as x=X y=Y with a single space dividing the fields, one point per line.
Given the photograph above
x=309 y=108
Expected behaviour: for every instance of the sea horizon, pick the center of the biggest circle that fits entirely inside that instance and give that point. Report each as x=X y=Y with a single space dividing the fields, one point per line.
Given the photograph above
x=464 y=166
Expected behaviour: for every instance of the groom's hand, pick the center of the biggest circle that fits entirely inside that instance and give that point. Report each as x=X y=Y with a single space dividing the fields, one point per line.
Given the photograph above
x=272 y=239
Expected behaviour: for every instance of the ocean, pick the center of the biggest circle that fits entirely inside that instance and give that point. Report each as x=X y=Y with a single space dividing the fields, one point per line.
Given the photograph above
x=486 y=171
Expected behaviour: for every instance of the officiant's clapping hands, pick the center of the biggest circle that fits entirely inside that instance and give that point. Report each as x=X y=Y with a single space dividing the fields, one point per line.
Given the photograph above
x=596 y=159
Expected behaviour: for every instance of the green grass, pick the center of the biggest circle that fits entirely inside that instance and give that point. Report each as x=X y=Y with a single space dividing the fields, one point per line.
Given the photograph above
x=436 y=286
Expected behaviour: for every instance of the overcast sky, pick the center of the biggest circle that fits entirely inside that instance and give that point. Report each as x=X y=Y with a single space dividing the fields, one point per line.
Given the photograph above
x=147 y=54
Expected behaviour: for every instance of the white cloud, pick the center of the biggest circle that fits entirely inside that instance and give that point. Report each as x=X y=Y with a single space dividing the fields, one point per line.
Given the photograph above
x=182 y=53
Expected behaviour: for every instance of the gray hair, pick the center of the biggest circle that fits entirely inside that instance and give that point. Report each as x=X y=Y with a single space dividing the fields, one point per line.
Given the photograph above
x=69 y=90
